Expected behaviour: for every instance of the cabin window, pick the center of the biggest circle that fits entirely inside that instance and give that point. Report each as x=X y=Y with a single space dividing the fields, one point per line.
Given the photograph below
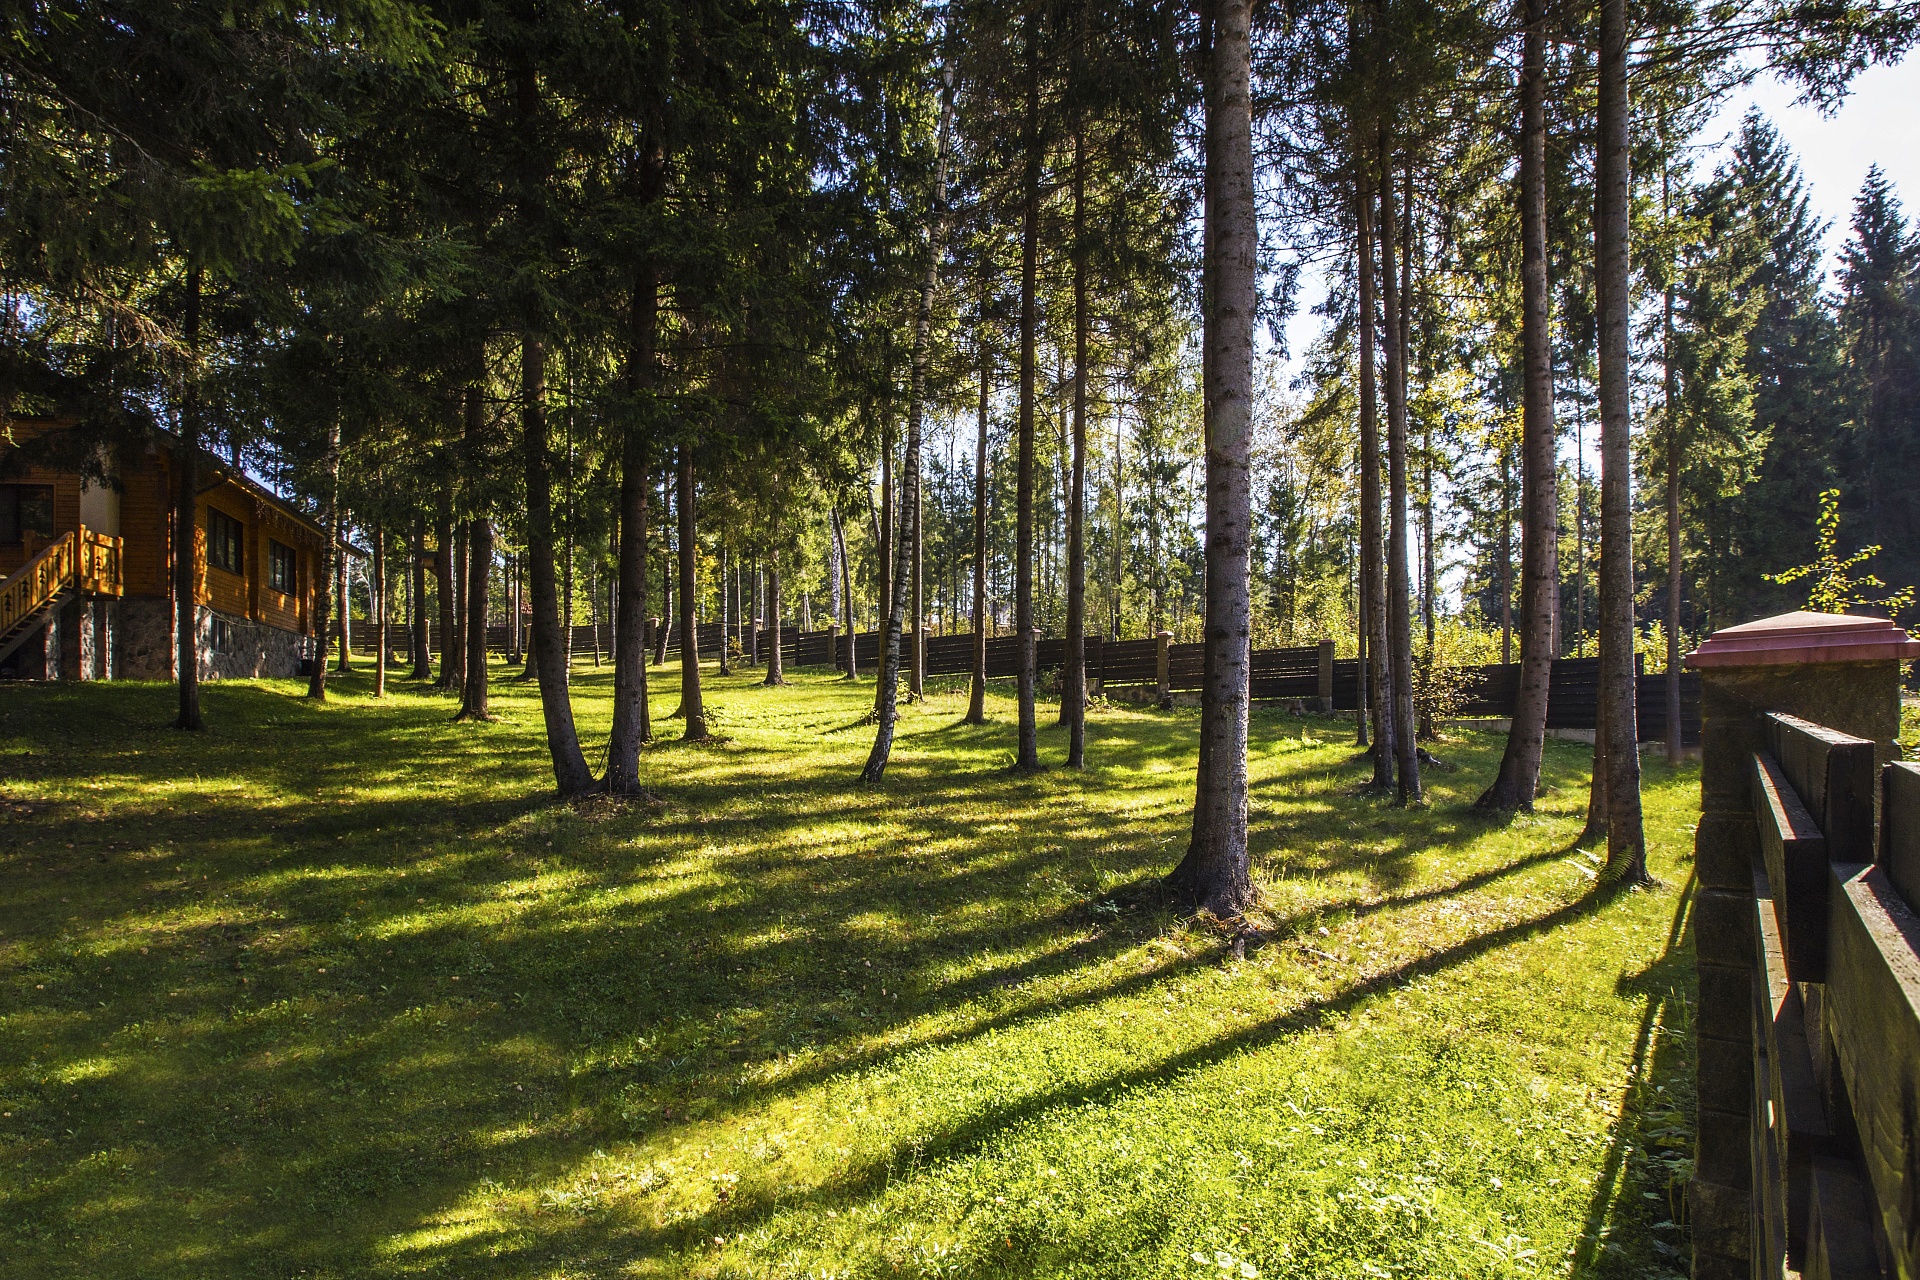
x=222 y=636
x=224 y=542
x=24 y=509
x=280 y=567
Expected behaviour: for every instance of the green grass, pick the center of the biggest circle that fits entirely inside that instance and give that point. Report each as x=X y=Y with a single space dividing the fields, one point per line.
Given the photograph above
x=339 y=991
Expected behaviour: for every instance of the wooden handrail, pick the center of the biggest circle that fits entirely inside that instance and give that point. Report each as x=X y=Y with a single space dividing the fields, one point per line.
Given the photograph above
x=38 y=581
x=84 y=559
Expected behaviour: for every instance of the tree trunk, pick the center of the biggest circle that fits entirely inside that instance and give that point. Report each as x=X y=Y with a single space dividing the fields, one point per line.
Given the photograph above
x=1361 y=738
x=377 y=598
x=322 y=580
x=186 y=520
x=632 y=720
x=776 y=673
x=884 y=538
x=917 y=633
x=1626 y=839
x=548 y=654
x=726 y=661
x=851 y=663
x=1073 y=685
x=1376 y=683
x=977 y=695
x=907 y=563
x=666 y=583
x=690 y=705
x=1398 y=615
x=461 y=532
x=1675 y=746
x=1518 y=781
x=443 y=573
x=417 y=556
x=1028 y=755
x=344 y=601
x=1216 y=875
x=1506 y=555
x=473 y=703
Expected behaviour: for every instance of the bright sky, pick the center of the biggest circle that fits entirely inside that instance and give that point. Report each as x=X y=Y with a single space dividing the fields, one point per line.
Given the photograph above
x=1879 y=123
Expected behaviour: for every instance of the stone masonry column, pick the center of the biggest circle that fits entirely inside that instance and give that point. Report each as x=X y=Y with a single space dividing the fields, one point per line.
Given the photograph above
x=1836 y=670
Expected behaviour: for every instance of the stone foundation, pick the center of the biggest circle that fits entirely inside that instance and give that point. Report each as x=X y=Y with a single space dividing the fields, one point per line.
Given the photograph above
x=144 y=648
x=252 y=649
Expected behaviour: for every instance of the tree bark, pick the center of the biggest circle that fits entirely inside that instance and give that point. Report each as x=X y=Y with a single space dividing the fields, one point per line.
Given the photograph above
x=726 y=662
x=443 y=573
x=1398 y=613
x=417 y=556
x=1518 y=781
x=1506 y=555
x=1216 y=875
x=690 y=705
x=548 y=654
x=884 y=539
x=343 y=602
x=322 y=580
x=1671 y=408
x=1028 y=753
x=186 y=520
x=1377 y=691
x=852 y=663
x=1073 y=685
x=461 y=533
x=776 y=672
x=377 y=592
x=907 y=563
x=1626 y=839
x=632 y=720
x=977 y=695
x=666 y=583
x=473 y=702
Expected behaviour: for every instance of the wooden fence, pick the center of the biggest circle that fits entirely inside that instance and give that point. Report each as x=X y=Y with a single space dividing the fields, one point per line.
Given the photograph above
x=1835 y=984
x=1306 y=673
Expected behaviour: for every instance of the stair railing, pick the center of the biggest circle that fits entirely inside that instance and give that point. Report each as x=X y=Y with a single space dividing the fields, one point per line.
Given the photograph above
x=38 y=581
x=84 y=559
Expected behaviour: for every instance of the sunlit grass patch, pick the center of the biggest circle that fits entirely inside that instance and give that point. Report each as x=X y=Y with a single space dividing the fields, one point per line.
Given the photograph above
x=342 y=991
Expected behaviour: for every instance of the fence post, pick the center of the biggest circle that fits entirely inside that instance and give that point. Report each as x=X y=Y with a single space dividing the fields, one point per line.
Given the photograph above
x=833 y=647
x=1164 y=677
x=1839 y=671
x=1326 y=677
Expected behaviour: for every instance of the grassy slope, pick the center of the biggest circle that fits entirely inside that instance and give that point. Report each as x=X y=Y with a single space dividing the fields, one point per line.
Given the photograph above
x=337 y=992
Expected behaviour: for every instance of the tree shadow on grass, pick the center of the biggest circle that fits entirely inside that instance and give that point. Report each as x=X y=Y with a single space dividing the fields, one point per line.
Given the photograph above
x=1660 y=1044
x=568 y=978
x=617 y=1245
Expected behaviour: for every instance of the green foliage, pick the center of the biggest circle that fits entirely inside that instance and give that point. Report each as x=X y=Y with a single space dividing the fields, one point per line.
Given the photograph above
x=326 y=991
x=1834 y=589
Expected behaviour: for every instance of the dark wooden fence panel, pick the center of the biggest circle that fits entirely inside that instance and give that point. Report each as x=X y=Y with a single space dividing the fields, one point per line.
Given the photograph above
x=1835 y=1137
x=1125 y=662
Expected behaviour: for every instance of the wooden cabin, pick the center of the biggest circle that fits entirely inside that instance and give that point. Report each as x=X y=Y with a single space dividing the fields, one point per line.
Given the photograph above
x=88 y=570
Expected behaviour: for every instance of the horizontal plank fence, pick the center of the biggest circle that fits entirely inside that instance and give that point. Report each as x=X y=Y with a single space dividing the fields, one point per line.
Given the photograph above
x=1835 y=982
x=1303 y=673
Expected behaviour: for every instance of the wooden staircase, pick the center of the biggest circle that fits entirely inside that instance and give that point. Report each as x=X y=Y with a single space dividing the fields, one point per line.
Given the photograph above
x=78 y=563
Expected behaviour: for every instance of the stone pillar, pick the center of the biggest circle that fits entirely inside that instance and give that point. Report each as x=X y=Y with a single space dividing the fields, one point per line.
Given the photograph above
x=105 y=623
x=76 y=640
x=1835 y=670
x=1165 y=678
x=1326 y=677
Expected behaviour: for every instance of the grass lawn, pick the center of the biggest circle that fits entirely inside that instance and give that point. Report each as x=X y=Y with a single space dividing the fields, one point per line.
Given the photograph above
x=340 y=991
